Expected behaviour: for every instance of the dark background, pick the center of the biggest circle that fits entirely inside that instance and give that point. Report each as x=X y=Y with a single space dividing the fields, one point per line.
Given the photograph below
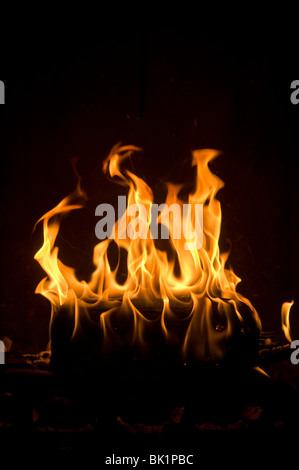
x=167 y=91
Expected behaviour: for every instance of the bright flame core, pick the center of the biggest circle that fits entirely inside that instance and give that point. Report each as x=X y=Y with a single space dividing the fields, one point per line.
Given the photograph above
x=285 y=319
x=187 y=297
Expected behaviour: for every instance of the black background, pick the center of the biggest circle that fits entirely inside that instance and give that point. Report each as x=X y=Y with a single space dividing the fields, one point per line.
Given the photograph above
x=167 y=91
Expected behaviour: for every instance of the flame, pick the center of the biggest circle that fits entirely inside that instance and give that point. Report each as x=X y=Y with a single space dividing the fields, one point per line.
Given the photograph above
x=285 y=319
x=183 y=295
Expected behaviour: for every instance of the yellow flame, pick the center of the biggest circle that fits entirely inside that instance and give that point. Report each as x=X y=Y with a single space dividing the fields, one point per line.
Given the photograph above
x=285 y=319
x=188 y=295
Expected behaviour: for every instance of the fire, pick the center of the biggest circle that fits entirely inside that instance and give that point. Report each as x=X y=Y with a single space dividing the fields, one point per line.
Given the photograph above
x=285 y=319
x=183 y=296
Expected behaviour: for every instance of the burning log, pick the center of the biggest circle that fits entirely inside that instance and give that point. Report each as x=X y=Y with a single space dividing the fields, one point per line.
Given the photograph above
x=116 y=341
x=150 y=397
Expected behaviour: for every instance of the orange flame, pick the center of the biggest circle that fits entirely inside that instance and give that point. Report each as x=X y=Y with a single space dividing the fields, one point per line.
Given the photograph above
x=188 y=295
x=285 y=319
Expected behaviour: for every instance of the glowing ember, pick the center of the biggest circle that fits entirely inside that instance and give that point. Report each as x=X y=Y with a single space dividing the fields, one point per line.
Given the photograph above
x=187 y=297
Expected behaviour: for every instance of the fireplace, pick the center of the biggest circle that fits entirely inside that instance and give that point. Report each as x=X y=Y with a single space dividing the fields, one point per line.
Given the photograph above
x=124 y=365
